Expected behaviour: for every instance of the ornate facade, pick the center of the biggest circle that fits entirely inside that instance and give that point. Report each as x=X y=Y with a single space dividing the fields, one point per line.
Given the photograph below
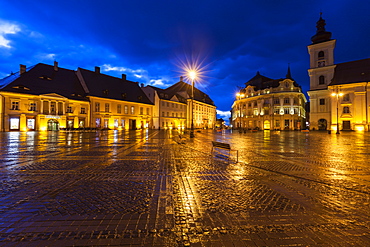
x=339 y=93
x=269 y=104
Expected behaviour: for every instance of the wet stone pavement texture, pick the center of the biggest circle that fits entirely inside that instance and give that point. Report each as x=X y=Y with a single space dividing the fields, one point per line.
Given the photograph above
x=151 y=188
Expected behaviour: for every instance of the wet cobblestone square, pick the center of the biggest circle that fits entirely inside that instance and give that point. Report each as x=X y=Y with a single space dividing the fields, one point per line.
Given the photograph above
x=148 y=188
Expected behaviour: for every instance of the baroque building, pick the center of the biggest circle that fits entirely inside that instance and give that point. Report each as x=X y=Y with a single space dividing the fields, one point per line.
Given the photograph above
x=269 y=104
x=339 y=93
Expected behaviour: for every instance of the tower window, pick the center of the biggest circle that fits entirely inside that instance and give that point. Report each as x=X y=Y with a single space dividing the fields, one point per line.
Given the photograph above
x=322 y=101
x=321 y=55
x=321 y=80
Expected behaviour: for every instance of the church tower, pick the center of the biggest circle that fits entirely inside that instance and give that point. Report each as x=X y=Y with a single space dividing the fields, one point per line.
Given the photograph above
x=321 y=72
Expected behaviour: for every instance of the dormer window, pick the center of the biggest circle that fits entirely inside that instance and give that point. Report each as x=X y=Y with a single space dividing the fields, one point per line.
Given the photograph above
x=106 y=92
x=44 y=77
x=123 y=95
x=21 y=87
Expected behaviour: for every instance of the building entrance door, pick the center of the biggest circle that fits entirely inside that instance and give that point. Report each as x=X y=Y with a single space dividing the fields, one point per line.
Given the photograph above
x=53 y=125
x=322 y=124
x=346 y=125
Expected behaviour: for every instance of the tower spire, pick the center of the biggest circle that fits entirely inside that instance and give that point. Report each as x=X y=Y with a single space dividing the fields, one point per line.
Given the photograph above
x=321 y=34
x=288 y=74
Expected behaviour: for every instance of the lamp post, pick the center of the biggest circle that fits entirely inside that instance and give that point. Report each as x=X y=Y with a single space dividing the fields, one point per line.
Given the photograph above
x=337 y=94
x=239 y=96
x=192 y=75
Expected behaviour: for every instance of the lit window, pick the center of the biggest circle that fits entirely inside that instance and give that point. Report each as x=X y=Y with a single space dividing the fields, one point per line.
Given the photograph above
x=32 y=106
x=83 y=110
x=119 y=108
x=15 y=105
x=126 y=109
x=132 y=110
x=69 y=109
x=97 y=107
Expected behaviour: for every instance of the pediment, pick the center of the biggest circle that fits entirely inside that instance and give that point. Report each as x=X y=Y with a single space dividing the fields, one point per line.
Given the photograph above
x=52 y=95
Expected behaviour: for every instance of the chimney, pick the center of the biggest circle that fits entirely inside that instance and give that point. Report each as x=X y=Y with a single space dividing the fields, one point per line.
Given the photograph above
x=124 y=77
x=22 y=69
x=142 y=84
x=97 y=69
x=181 y=78
x=55 y=66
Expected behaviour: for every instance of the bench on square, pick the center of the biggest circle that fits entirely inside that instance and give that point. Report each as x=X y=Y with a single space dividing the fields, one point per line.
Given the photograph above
x=226 y=146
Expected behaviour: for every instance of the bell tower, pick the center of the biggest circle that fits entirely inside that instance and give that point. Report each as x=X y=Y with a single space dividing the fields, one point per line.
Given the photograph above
x=321 y=72
x=321 y=52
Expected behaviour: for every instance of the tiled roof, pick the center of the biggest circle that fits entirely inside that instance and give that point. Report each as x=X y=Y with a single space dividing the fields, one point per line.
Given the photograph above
x=43 y=79
x=184 y=87
x=351 y=72
x=105 y=86
x=260 y=82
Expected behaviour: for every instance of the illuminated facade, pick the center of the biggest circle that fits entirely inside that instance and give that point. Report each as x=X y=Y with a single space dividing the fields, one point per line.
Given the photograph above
x=173 y=107
x=115 y=103
x=269 y=104
x=45 y=97
x=33 y=100
x=204 y=109
x=339 y=93
x=169 y=110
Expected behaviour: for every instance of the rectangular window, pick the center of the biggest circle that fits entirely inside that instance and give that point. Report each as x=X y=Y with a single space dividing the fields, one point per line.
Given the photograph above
x=14 y=123
x=132 y=110
x=119 y=109
x=141 y=110
x=276 y=101
x=30 y=123
x=277 y=111
x=69 y=109
x=106 y=107
x=15 y=105
x=83 y=110
x=32 y=106
x=163 y=103
x=52 y=108
x=126 y=109
x=277 y=123
x=162 y=113
x=322 y=101
x=286 y=111
x=147 y=111
x=286 y=100
x=346 y=97
x=97 y=107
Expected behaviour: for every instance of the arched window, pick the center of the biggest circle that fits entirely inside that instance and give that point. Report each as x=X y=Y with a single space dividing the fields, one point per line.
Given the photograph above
x=321 y=55
x=321 y=80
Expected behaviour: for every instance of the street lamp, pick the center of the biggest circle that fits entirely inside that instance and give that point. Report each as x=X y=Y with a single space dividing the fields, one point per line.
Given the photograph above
x=192 y=75
x=239 y=96
x=337 y=94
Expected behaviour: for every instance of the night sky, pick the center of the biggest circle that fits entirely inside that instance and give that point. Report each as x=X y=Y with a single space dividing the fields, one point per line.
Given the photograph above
x=151 y=40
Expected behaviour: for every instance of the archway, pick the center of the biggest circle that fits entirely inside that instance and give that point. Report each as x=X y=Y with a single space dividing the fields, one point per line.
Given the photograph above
x=266 y=125
x=322 y=124
x=53 y=125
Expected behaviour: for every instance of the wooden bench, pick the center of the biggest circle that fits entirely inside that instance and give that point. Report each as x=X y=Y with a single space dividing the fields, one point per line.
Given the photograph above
x=225 y=146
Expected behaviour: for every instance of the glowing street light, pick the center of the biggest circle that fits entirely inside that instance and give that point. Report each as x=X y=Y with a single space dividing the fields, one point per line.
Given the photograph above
x=192 y=75
x=337 y=95
x=240 y=96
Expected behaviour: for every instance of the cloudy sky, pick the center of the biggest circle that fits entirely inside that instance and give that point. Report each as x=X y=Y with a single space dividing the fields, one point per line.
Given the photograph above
x=151 y=41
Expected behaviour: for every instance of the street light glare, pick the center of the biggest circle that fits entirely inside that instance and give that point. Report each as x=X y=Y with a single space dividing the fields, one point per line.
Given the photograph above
x=192 y=74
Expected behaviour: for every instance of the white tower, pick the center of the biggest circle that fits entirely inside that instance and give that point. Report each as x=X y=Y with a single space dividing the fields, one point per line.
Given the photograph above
x=321 y=72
